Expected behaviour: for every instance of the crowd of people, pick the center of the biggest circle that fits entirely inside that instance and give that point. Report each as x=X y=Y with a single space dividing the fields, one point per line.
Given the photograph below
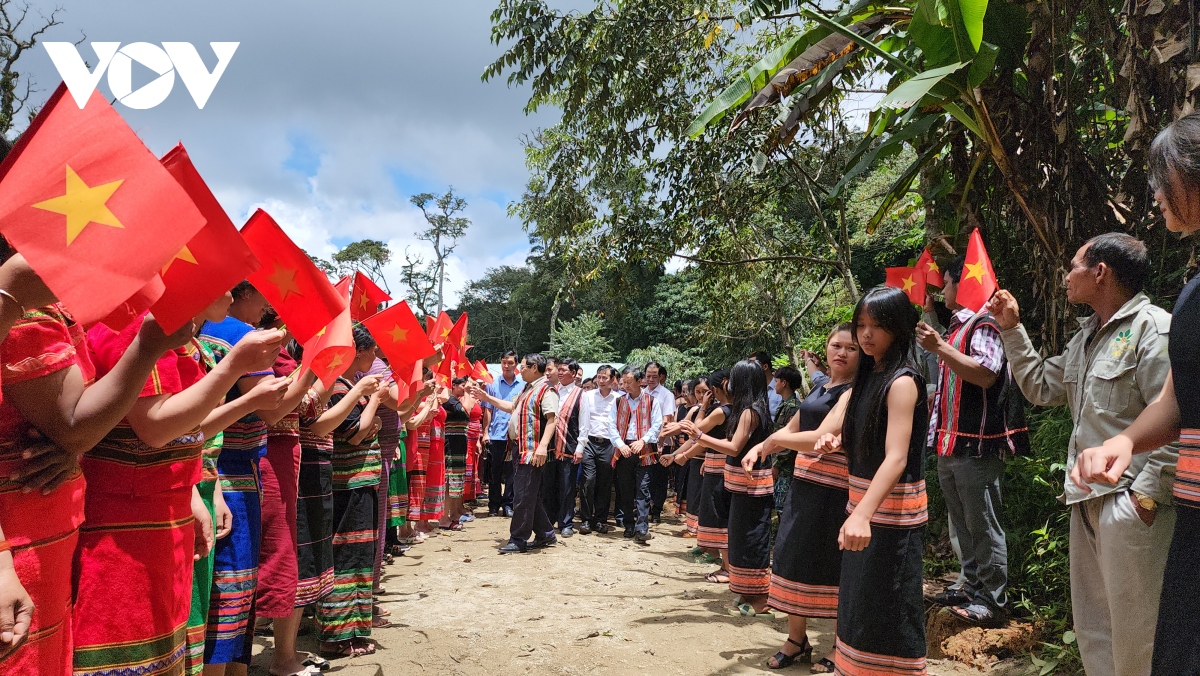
x=164 y=496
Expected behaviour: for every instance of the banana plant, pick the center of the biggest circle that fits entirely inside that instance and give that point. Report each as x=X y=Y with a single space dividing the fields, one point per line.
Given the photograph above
x=938 y=53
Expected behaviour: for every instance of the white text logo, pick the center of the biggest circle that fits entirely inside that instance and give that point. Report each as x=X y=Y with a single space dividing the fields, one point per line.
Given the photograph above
x=172 y=57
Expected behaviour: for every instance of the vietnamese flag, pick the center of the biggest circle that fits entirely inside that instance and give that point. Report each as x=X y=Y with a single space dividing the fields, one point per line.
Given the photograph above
x=213 y=262
x=438 y=328
x=400 y=336
x=978 y=281
x=933 y=274
x=458 y=335
x=135 y=306
x=909 y=280
x=367 y=297
x=90 y=207
x=296 y=289
x=481 y=372
x=332 y=349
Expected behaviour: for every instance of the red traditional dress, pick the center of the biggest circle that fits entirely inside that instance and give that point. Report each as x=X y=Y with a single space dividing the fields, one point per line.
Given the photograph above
x=279 y=474
x=134 y=562
x=42 y=529
x=472 y=486
x=435 y=470
x=417 y=461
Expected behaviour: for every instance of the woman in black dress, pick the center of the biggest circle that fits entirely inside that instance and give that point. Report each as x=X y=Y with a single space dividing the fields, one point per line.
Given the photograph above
x=751 y=492
x=881 y=426
x=1174 y=161
x=713 y=524
x=808 y=563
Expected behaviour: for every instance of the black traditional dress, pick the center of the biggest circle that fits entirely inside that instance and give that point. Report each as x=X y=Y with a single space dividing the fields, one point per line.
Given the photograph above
x=751 y=500
x=712 y=529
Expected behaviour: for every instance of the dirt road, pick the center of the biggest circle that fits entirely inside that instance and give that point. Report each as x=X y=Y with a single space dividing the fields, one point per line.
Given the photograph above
x=590 y=605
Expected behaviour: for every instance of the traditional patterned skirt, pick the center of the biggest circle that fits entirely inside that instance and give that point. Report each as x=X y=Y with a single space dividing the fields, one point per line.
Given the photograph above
x=397 y=505
x=808 y=562
x=381 y=517
x=713 y=520
x=881 y=615
x=471 y=476
x=456 y=465
x=230 y=634
x=43 y=531
x=202 y=572
x=695 y=488
x=415 y=464
x=345 y=613
x=1177 y=636
x=134 y=583
x=434 y=503
x=750 y=543
x=314 y=527
x=277 y=568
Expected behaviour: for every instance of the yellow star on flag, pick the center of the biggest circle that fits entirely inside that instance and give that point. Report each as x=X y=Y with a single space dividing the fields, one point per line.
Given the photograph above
x=974 y=271
x=398 y=334
x=363 y=300
x=909 y=283
x=933 y=267
x=185 y=254
x=445 y=332
x=321 y=332
x=335 y=361
x=83 y=204
x=284 y=279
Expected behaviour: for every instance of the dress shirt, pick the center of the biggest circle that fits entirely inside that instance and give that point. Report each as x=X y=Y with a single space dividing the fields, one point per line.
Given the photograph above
x=656 y=419
x=501 y=389
x=593 y=416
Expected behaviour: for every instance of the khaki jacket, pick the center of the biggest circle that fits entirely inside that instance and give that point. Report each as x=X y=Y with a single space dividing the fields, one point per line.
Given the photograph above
x=1106 y=375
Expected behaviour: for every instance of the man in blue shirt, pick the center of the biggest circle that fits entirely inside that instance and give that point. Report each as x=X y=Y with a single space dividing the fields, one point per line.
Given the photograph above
x=500 y=467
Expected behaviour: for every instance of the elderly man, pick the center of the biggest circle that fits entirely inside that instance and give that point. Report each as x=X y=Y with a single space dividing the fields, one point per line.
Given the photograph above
x=1110 y=370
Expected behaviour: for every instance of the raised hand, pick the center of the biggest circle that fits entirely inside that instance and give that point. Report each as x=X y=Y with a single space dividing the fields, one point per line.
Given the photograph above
x=151 y=335
x=268 y=393
x=828 y=443
x=1004 y=308
x=256 y=351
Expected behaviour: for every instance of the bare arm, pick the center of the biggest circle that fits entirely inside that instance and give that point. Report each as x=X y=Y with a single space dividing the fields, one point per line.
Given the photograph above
x=966 y=366
x=792 y=438
x=333 y=416
x=366 y=421
x=746 y=424
x=297 y=387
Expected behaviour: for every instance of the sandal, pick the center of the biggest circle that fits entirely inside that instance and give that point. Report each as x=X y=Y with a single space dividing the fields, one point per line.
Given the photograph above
x=784 y=660
x=822 y=666
x=747 y=610
x=980 y=616
x=381 y=611
x=715 y=577
x=950 y=597
x=364 y=645
x=379 y=622
x=316 y=662
x=343 y=649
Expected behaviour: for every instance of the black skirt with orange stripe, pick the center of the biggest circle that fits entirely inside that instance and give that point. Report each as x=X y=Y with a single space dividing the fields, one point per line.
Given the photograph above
x=808 y=563
x=750 y=543
x=713 y=522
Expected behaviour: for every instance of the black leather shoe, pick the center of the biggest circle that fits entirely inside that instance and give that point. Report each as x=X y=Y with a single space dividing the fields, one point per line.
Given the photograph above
x=514 y=548
x=567 y=532
x=585 y=529
x=602 y=529
x=542 y=544
x=506 y=511
x=628 y=532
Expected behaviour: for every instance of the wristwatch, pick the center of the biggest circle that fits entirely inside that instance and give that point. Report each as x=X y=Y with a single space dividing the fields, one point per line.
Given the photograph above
x=1145 y=501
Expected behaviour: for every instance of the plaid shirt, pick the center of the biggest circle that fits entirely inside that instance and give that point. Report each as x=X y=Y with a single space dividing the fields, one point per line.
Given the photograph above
x=986 y=348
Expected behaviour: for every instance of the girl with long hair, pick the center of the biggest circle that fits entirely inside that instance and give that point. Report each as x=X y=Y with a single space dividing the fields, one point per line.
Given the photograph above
x=881 y=427
x=712 y=529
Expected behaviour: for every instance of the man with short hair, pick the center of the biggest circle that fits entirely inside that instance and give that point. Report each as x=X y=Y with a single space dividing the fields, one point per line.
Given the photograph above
x=773 y=398
x=595 y=452
x=562 y=467
x=634 y=424
x=1110 y=370
x=530 y=430
x=507 y=388
x=970 y=432
x=656 y=375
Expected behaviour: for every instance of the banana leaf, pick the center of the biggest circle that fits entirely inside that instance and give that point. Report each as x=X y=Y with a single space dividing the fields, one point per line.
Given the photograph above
x=911 y=91
x=915 y=127
x=903 y=183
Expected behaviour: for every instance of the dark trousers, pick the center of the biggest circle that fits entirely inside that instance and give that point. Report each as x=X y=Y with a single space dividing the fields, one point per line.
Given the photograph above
x=597 y=482
x=634 y=480
x=529 y=512
x=559 y=490
x=658 y=489
x=500 y=477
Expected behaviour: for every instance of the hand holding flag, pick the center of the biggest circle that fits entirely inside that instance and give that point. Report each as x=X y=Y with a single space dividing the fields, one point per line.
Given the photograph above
x=330 y=352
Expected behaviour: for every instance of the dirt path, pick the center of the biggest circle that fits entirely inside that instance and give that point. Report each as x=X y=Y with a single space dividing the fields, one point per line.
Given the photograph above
x=590 y=605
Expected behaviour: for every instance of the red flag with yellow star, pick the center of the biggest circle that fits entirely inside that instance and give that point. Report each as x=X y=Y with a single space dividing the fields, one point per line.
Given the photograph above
x=399 y=335
x=330 y=351
x=299 y=292
x=482 y=373
x=367 y=297
x=909 y=280
x=439 y=328
x=458 y=335
x=978 y=281
x=135 y=306
x=933 y=273
x=90 y=207
x=213 y=262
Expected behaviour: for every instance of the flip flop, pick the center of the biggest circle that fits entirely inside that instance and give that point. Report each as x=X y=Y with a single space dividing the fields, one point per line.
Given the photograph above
x=316 y=661
x=747 y=610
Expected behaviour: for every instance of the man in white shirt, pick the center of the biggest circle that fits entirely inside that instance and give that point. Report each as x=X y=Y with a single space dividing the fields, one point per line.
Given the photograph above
x=656 y=376
x=595 y=451
x=633 y=427
x=559 y=488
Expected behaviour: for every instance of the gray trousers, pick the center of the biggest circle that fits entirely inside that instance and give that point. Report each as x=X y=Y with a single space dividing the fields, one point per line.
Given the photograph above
x=1117 y=564
x=971 y=487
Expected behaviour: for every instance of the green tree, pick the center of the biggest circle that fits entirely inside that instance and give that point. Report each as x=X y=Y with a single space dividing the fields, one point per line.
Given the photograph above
x=581 y=339
x=679 y=365
x=367 y=255
x=445 y=229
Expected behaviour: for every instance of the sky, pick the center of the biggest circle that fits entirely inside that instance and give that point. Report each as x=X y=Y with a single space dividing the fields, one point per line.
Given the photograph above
x=331 y=115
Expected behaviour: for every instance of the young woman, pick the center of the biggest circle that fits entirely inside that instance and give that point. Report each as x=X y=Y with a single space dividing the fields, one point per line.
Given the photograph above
x=690 y=457
x=1174 y=416
x=344 y=616
x=433 y=510
x=712 y=526
x=751 y=491
x=881 y=426
x=419 y=428
x=808 y=562
x=457 y=421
